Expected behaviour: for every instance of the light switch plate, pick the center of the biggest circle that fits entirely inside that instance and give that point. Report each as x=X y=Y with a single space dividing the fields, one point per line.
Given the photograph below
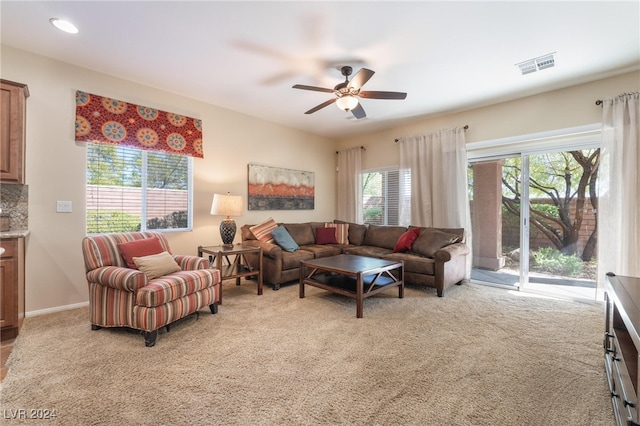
x=63 y=206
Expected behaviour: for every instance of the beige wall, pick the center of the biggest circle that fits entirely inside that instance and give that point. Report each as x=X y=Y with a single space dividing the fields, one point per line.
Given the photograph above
x=55 y=169
x=56 y=164
x=559 y=109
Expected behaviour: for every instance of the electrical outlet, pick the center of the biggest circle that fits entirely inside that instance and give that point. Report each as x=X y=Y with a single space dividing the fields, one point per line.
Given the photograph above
x=63 y=206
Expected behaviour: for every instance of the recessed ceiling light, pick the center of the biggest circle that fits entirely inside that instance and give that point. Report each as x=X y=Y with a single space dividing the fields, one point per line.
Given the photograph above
x=63 y=25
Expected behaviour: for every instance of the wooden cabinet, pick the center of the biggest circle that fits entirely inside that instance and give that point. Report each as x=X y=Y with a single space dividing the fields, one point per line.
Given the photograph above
x=621 y=346
x=12 y=131
x=11 y=287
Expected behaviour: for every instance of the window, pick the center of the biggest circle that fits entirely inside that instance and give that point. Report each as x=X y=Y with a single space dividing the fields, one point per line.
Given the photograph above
x=380 y=196
x=134 y=190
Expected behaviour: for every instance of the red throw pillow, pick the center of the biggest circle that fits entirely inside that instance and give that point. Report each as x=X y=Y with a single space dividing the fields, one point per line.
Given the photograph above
x=139 y=248
x=326 y=236
x=405 y=242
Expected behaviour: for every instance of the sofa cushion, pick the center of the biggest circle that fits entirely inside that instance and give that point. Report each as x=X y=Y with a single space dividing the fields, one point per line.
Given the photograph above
x=459 y=232
x=369 y=251
x=356 y=232
x=302 y=233
x=341 y=230
x=283 y=239
x=326 y=236
x=246 y=234
x=165 y=289
x=383 y=236
x=157 y=265
x=413 y=263
x=431 y=240
x=406 y=240
x=326 y=250
x=315 y=225
x=291 y=260
x=139 y=248
x=262 y=231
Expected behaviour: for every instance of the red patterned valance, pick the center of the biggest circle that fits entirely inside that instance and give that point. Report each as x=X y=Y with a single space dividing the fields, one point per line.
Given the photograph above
x=110 y=121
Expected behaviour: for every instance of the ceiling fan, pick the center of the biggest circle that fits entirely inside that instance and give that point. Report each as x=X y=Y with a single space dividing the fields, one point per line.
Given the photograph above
x=347 y=92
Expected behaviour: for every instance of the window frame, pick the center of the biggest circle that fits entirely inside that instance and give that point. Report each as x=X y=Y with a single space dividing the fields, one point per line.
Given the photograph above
x=387 y=207
x=144 y=189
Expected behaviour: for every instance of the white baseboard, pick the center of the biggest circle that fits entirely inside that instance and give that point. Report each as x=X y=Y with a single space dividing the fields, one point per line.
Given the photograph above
x=56 y=309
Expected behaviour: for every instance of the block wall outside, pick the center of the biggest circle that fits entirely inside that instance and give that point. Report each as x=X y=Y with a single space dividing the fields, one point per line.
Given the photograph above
x=160 y=202
x=511 y=228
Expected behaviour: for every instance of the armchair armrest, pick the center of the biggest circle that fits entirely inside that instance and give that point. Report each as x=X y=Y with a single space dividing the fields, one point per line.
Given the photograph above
x=118 y=277
x=445 y=254
x=191 y=263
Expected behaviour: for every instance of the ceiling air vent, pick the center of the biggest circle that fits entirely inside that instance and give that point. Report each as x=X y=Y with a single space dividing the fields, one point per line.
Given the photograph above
x=545 y=62
x=535 y=64
x=527 y=67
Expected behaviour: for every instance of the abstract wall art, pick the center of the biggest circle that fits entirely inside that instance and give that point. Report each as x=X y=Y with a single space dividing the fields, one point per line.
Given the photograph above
x=275 y=188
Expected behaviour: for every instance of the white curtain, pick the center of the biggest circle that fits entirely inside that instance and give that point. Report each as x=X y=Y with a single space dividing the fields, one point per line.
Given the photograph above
x=619 y=187
x=433 y=182
x=349 y=185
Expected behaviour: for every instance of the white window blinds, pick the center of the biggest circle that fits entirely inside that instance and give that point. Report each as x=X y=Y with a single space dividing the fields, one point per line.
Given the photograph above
x=133 y=190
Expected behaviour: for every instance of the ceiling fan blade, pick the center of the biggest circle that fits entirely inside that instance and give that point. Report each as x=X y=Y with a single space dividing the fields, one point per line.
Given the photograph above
x=358 y=112
x=263 y=50
x=322 y=105
x=275 y=79
x=382 y=95
x=360 y=78
x=314 y=88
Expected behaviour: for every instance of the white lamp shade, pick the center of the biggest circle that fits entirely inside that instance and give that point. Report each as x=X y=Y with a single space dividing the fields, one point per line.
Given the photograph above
x=347 y=102
x=226 y=205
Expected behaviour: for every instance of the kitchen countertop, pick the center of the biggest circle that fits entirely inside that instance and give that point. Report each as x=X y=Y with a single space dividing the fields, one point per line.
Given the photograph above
x=15 y=233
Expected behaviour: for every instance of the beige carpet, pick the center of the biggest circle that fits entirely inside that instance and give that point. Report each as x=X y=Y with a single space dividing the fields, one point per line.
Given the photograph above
x=478 y=356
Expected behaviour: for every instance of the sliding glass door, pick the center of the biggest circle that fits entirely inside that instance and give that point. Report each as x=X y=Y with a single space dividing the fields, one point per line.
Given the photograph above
x=534 y=218
x=562 y=223
x=496 y=234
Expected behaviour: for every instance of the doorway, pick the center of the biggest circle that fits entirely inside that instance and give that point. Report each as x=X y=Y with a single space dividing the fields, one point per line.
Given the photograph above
x=534 y=219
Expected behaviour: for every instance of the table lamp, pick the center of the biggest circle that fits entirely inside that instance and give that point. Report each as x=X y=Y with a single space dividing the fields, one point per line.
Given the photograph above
x=227 y=205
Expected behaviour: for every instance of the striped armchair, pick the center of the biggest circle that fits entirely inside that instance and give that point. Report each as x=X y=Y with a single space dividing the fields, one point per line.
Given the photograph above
x=123 y=297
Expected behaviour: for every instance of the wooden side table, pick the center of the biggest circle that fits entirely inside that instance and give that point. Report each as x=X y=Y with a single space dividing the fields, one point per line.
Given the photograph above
x=238 y=266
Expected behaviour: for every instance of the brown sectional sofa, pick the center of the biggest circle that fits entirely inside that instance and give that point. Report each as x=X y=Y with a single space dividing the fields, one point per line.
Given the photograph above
x=437 y=258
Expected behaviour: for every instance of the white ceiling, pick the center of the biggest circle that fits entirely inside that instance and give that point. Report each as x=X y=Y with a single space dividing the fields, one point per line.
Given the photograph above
x=245 y=56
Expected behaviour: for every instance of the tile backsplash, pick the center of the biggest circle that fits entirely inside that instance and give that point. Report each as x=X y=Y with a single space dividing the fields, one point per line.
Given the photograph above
x=14 y=201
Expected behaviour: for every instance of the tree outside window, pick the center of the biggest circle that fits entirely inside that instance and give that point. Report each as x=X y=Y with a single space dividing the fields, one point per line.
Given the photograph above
x=380 y=197
x=562 y=186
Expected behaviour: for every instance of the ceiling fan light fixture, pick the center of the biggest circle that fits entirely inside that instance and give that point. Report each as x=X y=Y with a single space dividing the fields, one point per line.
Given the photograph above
x=347 y=102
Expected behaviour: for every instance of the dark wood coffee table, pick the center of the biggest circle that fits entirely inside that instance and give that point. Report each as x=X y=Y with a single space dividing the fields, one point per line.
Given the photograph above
x=357 y=277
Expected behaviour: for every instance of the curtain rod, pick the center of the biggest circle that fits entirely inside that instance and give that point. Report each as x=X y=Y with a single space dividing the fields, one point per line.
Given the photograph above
x=362 y=148
x=466 y=127
x=599 y=101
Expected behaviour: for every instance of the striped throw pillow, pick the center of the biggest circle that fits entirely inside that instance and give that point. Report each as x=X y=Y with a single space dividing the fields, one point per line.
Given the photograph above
x=342 y=231
x=262 y=231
